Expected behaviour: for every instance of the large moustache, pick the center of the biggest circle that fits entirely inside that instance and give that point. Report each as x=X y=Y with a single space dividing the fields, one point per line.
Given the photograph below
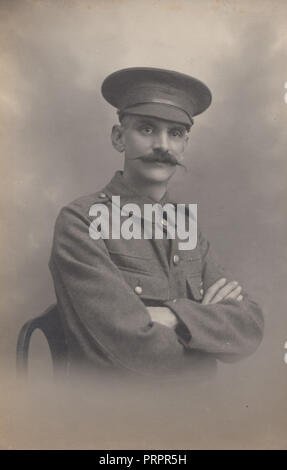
x=159 y=156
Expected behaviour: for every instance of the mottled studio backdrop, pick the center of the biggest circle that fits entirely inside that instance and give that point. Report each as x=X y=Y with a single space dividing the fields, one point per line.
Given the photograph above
x=55 y=146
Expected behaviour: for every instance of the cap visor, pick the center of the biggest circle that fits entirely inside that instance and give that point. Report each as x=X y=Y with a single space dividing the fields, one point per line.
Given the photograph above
x=161 y=111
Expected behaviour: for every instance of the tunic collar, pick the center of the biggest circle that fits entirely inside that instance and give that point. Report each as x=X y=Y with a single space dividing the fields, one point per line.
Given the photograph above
x=118 y=187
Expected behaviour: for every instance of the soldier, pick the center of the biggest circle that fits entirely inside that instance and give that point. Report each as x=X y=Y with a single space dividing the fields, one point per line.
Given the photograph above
x=143 y=306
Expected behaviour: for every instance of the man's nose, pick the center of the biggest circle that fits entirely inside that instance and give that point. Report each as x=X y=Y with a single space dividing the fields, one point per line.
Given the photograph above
x=161 y=141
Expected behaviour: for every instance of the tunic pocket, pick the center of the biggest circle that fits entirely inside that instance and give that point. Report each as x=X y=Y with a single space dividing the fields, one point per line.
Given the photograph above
x=146 y=286
x=194 y=267
x=133 y=263
x=192 y=263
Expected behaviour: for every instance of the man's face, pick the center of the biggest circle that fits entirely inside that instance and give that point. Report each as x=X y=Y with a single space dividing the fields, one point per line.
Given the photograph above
x=152 y=147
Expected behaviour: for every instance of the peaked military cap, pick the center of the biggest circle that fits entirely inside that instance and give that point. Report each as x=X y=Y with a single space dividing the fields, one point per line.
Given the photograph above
x=165 y=94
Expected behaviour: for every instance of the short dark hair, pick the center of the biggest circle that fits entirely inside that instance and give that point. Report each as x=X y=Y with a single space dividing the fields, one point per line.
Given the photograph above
x=122 y=115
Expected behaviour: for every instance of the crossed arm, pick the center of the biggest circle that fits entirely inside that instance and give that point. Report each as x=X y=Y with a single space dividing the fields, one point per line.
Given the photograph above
x=220 y=290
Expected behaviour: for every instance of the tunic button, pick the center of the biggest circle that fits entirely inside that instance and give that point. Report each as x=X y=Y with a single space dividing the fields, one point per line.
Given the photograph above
x=138 y=290
x=102 y=195
x=201 y=291
x=176 y=259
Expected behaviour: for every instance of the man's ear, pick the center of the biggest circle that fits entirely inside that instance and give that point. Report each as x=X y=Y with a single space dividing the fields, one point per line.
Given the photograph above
x=117 y=137
x=181 y=156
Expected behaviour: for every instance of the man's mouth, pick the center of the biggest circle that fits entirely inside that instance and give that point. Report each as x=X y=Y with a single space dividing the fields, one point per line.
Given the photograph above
x=163 y=159
x=158 y=161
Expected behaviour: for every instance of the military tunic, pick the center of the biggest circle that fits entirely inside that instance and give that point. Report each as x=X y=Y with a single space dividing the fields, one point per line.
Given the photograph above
x=104 y=286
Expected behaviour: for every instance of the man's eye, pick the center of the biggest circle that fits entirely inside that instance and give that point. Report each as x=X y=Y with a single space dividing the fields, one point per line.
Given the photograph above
x=146 y=130
x=176 y=132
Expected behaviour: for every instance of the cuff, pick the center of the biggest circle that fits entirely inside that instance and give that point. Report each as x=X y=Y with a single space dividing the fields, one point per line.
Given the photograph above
x=181 y=328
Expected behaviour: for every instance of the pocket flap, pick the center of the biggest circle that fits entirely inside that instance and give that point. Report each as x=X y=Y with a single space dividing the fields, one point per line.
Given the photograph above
x=195 y=288
x=147 y=287
x=132 y=263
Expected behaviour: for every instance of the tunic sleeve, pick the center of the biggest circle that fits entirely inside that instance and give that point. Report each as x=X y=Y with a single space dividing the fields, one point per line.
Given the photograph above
x=230 y=330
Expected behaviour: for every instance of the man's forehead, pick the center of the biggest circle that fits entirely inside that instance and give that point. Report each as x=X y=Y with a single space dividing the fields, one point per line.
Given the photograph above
x=151 y=120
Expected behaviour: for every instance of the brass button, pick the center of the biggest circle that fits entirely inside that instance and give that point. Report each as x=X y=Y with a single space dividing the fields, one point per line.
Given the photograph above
x=174 y=301
x=176 y=259
x=201 y=291
x=102 y=195
x=138 y=290
x=164 y=222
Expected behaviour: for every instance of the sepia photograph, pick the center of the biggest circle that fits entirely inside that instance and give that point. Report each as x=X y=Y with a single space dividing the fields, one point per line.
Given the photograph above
x=144 y=228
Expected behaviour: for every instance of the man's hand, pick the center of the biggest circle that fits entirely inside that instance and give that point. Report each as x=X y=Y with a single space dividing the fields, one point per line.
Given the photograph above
x=221 y=291
x=163 y=315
